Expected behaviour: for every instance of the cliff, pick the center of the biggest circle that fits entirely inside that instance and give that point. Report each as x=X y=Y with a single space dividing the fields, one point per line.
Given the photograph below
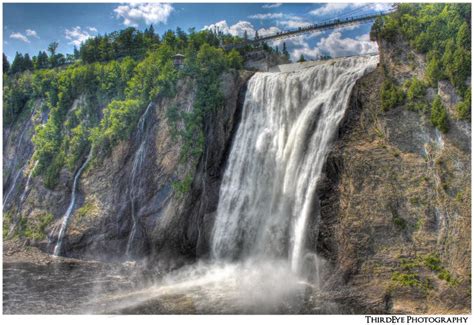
x=169 y=223
x=395 y=205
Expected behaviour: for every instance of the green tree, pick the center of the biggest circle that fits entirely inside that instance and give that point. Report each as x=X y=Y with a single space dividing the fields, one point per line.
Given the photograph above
x=27 y=62
x=6 y=64
x=439 y=116
x=301 y=59
x=234 y=59
x=463 y=109
x=53 y=60
x=17 y=64
x=434 y=71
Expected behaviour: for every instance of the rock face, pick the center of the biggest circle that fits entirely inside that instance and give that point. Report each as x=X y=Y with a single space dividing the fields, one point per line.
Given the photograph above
x=102 y=221
x=395 y=206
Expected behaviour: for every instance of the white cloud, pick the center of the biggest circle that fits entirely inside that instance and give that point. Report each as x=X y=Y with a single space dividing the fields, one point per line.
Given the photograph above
x=331 y=8
x=272 y=5
x=76 y=35
x=334 y=8
x=293 y=23
x=306 y=51
x=241 y=27
x=32 y=33
x=267 y=16
x=335 y=45
x=237 y=29
x=92 y=29
x=20 y=37
x=150 y=13
x=268 y=31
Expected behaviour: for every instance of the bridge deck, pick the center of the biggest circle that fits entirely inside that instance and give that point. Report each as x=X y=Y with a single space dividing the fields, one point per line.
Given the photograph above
x=312 y=28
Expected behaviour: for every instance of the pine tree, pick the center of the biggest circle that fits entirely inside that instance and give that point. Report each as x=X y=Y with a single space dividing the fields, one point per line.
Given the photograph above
x=76 y=53
x=6 y=64
x=27 y=63
x=301 y=59
x=17 y=64
x=42 y=60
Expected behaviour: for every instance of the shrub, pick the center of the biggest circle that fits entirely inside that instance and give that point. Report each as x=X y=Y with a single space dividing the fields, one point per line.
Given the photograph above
x=439 y=116
x=392 y=96
x=463 y=109
x=415 y=89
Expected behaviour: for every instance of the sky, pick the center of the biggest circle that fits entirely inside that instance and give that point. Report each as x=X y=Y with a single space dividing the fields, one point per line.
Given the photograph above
x=30 y=27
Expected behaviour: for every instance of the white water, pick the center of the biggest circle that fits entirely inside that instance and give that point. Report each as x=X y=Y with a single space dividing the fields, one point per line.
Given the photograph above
x=70 y=209
x=18 y=147
x=136 y=167
x=15 y=180
x=268 y=192
x=28 y=182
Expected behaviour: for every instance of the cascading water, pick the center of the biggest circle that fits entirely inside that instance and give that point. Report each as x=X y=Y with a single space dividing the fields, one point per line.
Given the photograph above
x=21 y=162
x=136 y=167
x=28 y=182
x=15 y=180
x=268 y=192
x=70 y=209
x=22 y=199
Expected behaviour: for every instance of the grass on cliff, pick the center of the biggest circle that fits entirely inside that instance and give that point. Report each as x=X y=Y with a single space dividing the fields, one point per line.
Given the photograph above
x=34 y=227
x=412 y=272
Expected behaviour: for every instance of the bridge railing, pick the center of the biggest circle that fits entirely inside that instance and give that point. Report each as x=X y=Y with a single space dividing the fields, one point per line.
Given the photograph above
x=328 y=24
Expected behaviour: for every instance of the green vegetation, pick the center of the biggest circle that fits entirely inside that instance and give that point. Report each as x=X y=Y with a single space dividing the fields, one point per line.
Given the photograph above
x=411 y=270
x=7 y=220
x=415 y=90
x=392 y=96
x=95 y=97
x=439 y=116
x=411 y=280
x=86 y=210
x=440 y=31
x=33 y=228
x=463 y=109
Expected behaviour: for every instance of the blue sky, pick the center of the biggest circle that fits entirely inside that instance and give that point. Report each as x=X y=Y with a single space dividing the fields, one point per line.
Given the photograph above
x=30 y=27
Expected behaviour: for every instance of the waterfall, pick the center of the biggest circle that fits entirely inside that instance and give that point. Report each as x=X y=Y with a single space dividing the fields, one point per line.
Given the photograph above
x=70 y=209
x=5 y=200
x=22 y=199
x=28 y=181
x=268 y=192
x=17 y=146
x=136 y=167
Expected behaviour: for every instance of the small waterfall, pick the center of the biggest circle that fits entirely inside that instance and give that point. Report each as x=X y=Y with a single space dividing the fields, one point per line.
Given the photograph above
x=27 y=185
x=138 y=160
x=22 y=199
x=70 y=209
x=15 y=180
x=268 y=192
x=17 y=146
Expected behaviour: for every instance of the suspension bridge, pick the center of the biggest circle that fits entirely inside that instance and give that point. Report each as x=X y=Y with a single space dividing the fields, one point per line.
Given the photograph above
x=328 y=24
